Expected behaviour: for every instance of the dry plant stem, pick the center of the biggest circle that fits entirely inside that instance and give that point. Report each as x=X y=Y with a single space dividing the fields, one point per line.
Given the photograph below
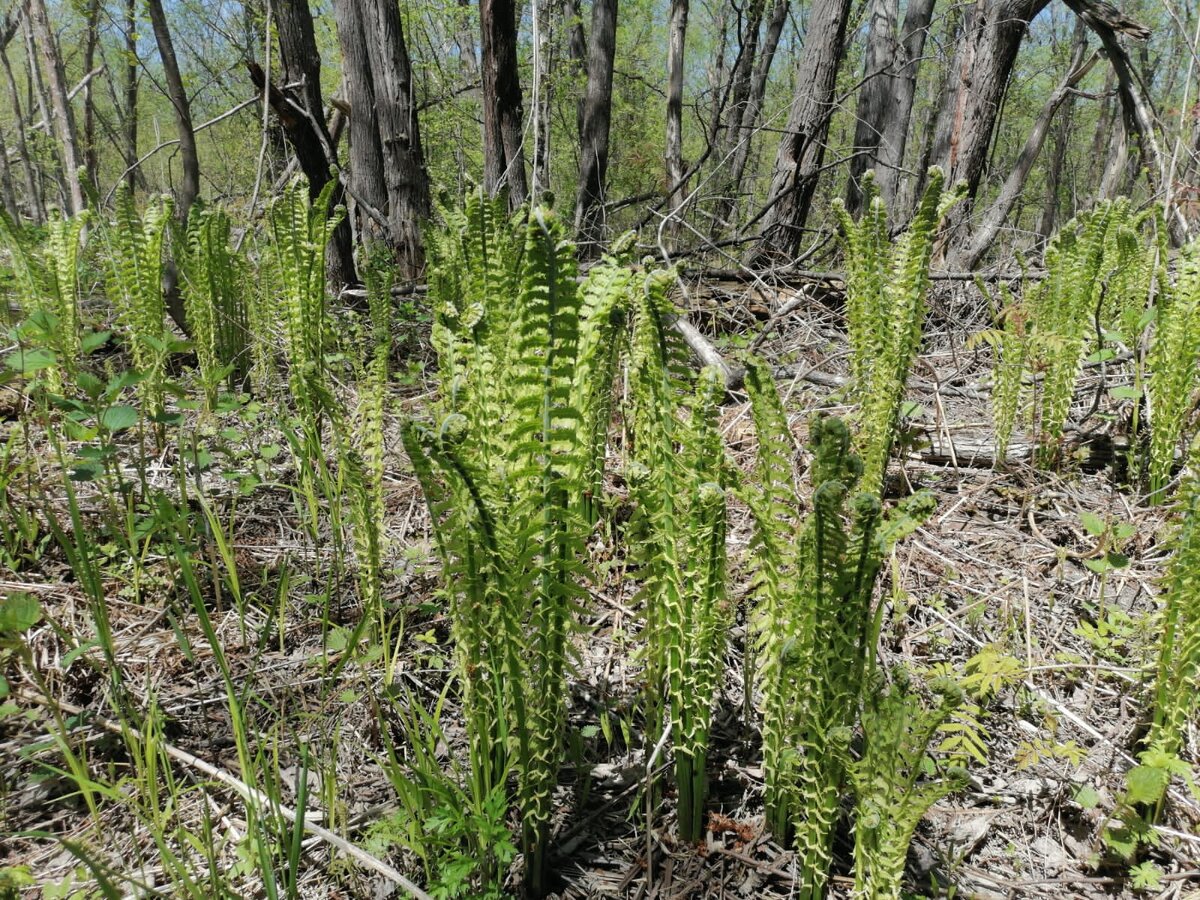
x=246 y=792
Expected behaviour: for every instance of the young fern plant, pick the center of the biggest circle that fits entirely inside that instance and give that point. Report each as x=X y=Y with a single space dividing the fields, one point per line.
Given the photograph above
x=47 y=280
x=1174 y=368
x=1099 y=273
x=886 y=283
x=816 y=632
x=502 y=474
x=1178 y=674
x=299 y=232
x=215 y=302
x=1176 y=681
x=135 y=289
x=681 y=499
x=898 y=728
x=360 y=454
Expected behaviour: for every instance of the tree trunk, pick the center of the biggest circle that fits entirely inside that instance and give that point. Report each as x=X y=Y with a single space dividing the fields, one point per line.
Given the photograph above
x=8 y=197
x=90 y=163
x=1107 y=22
x=1054 y=171
x=503 y=151
x=405 y=176
x=967 y=256
x=577 y=53
x=366 y=154
x=742 y=133
x=302 y=114
x=545 y=12
x=987 y=48
x=189 y=186
x=802 y=147
x=593 y=142
x=676 y=43
x=387 y=163
x=885 y=112
x=64 y=117
x=131 y=95
x=873 y=96
x=37 y=212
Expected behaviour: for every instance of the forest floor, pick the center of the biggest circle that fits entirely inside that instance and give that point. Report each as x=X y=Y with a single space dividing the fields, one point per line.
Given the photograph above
x=994 y=586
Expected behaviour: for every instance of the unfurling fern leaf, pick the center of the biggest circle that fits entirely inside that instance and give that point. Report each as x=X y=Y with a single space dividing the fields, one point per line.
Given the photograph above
x=891 y=798
x=886 y=283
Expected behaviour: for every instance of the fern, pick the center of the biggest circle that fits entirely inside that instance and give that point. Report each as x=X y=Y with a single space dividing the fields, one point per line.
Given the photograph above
x=135 y=288
x=299 y=234
x=886 y=283
x=48 y=289
x=215 y=301
x=1099 y=274
x=1173 y=364
x=1177 y=680
x=501 y=477
x=890 y=800
x=813 y=580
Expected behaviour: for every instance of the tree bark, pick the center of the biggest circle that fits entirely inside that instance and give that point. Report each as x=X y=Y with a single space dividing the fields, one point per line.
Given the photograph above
x=63 y=115
x=885 y=111
x=189 y=185
x=1108 y=22
x=802 y=147
x=577 y=53
x=387 y=162
x=302 y=114
x=37 y=212
x=742 y=133
x=90 y=162
x=967 y=256
x=366 y=153
x=503 y=150
x=676 y=44
x=406 y=177
x=593 y=140
x=131 y=95
x=8 y=197
x=545 y=13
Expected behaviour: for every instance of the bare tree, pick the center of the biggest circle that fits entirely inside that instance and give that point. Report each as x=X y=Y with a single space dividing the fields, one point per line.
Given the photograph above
x=33 y=192
x=802 y=147
x=741 y=131
x=62 y=114
x=676 y=44
x=189 y=185
x=90 y=41
x=593 y=136
x=388 y=176
x=968 y=253
x=503 y=147
x=886 y=99
x=130 y=130
x=301 y=111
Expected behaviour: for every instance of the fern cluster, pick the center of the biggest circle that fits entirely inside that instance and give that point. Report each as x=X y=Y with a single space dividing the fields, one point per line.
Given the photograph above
x=135 y=287
x=1174 y=366
x=216 y=301
x=300 y=231
x=502 y=475
x=886 y=283
x=1099 y=272
x=890 y=797
x=47 y=279
x=1177 y=681
x=813 y=581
